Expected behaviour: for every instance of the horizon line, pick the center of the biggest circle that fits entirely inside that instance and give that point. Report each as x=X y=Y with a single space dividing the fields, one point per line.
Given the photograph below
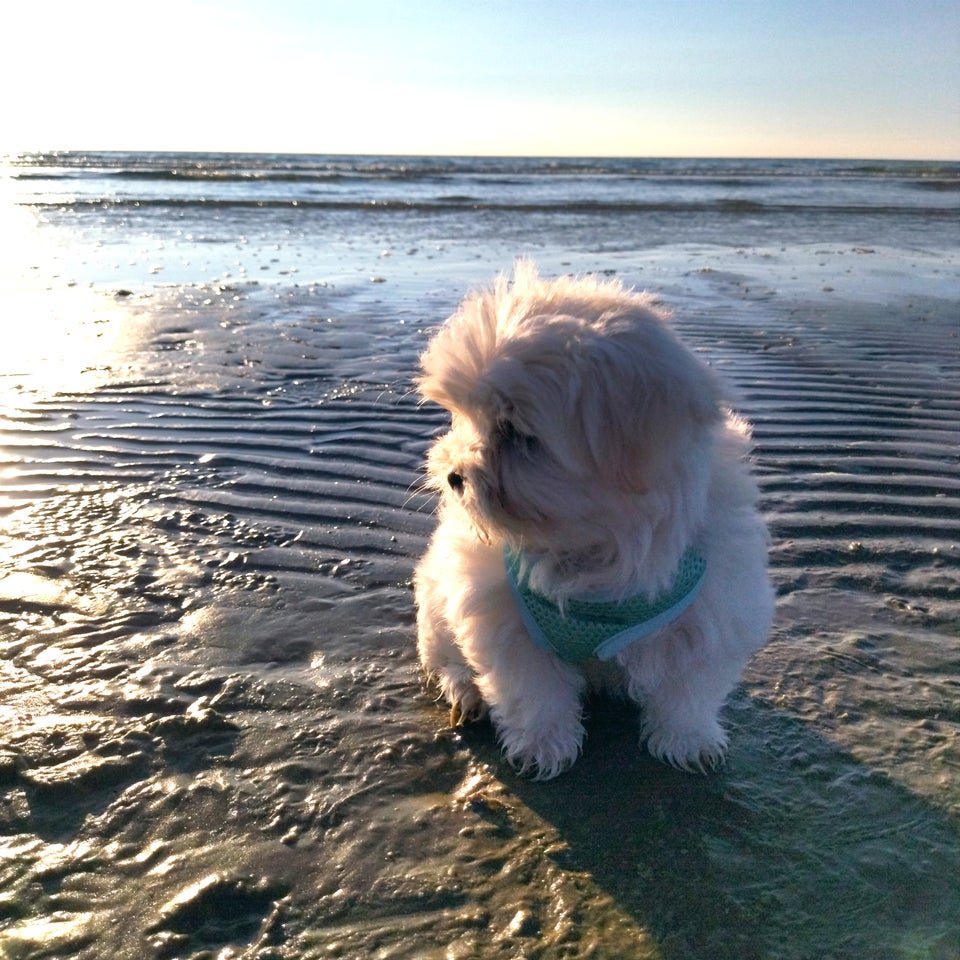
x=7 y=154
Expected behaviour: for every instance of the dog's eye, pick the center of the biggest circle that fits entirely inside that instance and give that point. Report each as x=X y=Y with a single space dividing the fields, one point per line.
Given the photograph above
x=509 y=436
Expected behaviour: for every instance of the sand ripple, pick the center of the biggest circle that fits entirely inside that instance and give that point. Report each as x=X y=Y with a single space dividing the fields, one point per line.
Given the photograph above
x=215 y=738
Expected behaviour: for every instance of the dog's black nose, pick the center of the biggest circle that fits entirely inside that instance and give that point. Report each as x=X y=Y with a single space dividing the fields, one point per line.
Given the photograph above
x=455 y=481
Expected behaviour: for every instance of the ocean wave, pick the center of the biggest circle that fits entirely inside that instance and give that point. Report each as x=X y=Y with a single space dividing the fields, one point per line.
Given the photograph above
x=562 y=187
x=326 y=168
x=458 y=203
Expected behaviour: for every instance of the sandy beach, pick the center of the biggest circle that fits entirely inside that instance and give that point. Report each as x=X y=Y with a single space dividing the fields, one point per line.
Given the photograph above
x=216 y=742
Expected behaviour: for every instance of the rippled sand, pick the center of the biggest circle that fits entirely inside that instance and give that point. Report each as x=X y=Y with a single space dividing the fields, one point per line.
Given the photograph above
x=215 y=738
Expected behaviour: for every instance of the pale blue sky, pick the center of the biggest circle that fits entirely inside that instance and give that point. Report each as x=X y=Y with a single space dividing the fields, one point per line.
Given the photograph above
x=844 y=78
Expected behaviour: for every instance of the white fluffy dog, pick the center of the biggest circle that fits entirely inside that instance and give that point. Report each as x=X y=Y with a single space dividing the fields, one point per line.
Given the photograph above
x=598 y=524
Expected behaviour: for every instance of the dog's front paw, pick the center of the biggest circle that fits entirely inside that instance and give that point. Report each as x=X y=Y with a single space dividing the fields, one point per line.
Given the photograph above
x=542 y=754
x=694 y=749
x=466 y=701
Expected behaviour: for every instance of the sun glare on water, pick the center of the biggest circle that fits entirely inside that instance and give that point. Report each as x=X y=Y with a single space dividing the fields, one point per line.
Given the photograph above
x=56 y=336
x=55 y=343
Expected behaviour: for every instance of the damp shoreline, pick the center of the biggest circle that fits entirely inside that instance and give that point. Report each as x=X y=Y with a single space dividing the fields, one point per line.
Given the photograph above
x=216 y=741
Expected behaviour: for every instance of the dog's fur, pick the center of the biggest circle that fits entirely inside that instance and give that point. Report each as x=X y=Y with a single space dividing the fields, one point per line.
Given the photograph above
x=586 y=434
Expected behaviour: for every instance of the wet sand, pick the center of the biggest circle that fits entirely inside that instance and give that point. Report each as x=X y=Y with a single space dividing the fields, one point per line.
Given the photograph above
x=215 y=739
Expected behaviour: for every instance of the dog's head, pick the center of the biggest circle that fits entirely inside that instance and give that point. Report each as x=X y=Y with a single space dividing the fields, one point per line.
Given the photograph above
x=568 y=399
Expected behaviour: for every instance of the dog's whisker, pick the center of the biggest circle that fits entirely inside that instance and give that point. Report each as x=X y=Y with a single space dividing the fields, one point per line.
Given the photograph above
x=424 y=487
x=429 y=503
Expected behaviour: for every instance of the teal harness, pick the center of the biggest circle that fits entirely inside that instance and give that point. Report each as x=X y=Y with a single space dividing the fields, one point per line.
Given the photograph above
x=597 y=628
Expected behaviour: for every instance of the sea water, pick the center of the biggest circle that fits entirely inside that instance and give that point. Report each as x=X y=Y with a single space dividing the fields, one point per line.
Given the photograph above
x=203 y=214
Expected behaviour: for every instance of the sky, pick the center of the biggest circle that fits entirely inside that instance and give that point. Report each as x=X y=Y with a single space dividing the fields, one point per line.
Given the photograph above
x=764 y=78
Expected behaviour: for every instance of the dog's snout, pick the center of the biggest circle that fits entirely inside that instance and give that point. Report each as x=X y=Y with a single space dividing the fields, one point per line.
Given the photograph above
x=456 y=481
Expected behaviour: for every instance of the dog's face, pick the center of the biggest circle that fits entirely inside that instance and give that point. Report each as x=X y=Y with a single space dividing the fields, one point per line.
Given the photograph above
x=568 y=399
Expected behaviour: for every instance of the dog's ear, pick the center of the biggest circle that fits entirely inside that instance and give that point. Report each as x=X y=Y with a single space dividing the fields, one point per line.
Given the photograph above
x=649 y=401
x=460 y=352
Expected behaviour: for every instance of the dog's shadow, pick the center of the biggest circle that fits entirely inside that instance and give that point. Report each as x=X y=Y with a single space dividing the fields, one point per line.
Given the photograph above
x=794 y=850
